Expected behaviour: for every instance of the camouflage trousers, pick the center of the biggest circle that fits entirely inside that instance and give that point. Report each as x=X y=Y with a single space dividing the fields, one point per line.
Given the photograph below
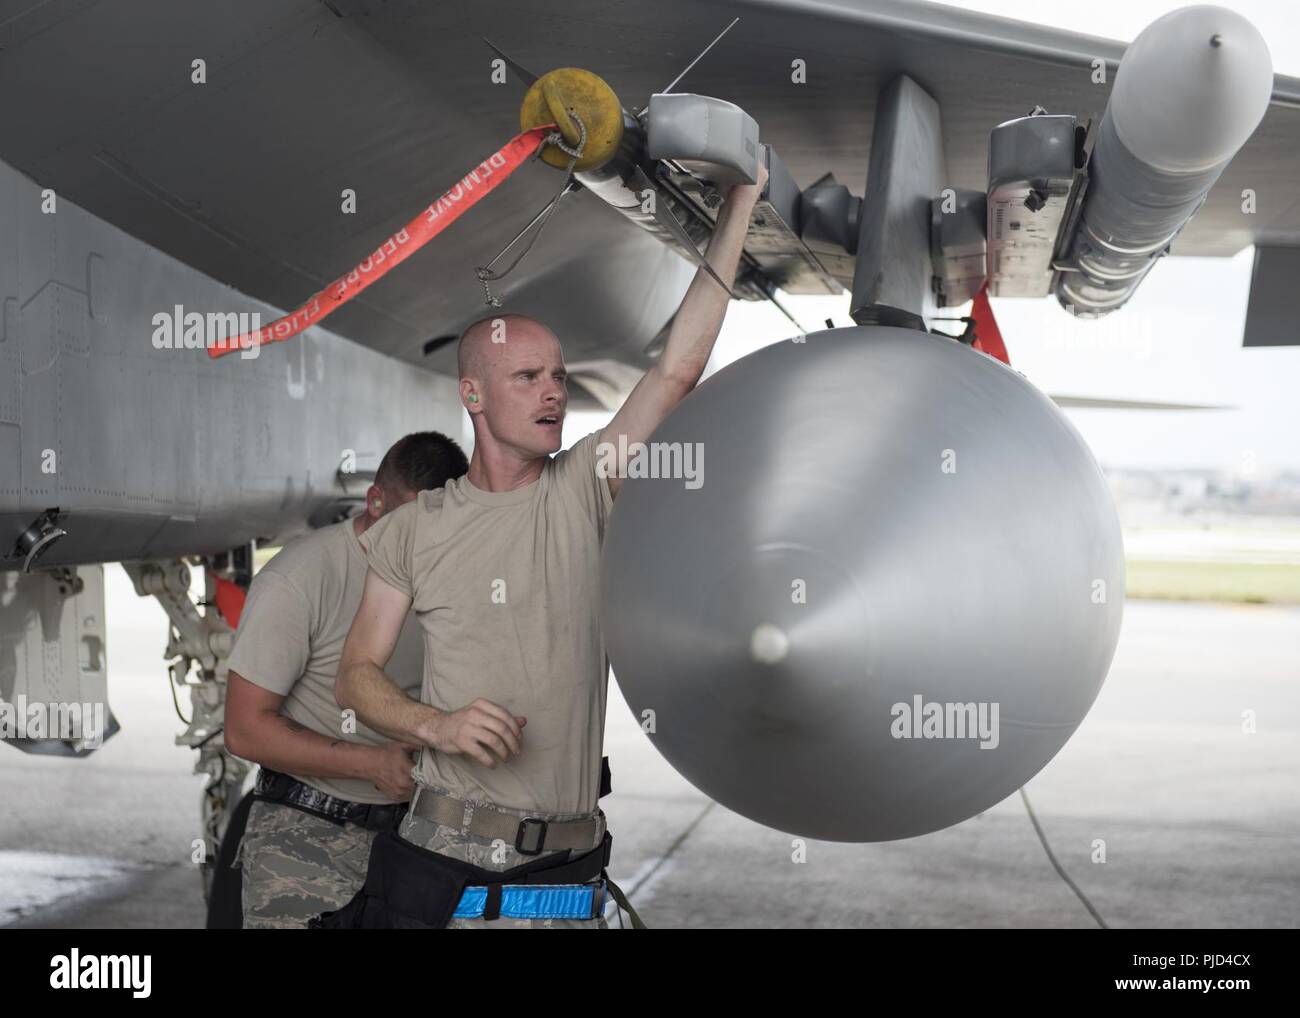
x=490 y=855
x=296 y=866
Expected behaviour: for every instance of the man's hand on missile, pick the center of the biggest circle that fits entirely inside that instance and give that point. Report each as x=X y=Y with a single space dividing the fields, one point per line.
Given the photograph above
x=748 y=193
x=475 y=729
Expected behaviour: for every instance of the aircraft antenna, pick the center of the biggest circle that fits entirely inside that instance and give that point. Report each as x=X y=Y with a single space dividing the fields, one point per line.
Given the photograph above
x=701 y=56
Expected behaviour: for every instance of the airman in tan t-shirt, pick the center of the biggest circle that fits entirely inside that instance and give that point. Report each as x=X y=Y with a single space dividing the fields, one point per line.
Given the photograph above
x=505 y=586
x=305 y=849
x=501 y=568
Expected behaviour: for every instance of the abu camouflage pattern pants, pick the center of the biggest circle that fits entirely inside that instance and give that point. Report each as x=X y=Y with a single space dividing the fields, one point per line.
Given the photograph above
x=296 y=866
x=486 y=854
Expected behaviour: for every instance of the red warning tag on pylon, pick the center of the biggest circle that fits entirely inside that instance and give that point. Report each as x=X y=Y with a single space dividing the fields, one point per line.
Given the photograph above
x=988 y=337
x=441 y=213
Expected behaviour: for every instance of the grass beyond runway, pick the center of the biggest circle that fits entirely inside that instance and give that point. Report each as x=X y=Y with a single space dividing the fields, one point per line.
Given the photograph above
x=1246 y=582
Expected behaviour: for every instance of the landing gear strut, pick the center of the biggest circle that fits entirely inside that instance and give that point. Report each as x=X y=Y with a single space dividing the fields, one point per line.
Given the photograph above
x=198 y=645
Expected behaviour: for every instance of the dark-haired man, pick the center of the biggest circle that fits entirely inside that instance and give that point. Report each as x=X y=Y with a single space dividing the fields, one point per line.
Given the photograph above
x=328 y=783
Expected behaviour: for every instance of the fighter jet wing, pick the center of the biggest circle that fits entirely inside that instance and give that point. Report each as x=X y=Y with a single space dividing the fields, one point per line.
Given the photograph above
x=239 y=170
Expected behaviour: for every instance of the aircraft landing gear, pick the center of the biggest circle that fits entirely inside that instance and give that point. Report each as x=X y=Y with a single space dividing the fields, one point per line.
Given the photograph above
x=200 y=642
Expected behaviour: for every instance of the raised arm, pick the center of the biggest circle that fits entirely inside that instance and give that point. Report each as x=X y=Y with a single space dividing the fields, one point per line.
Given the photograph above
x=694 y=330
x=365 y=687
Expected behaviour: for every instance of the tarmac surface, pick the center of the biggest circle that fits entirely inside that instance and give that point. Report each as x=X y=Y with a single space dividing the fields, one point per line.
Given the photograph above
x=1200 y=820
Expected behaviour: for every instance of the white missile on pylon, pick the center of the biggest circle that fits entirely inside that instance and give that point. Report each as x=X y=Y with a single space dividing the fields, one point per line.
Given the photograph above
x=1190 y=90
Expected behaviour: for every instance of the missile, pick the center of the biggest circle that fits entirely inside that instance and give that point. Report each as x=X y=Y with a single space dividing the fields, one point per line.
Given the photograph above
x=888 y=527
x=1189 y=92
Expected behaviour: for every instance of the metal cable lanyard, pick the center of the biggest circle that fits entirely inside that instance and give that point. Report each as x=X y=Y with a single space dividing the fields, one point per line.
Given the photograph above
x=485 y=273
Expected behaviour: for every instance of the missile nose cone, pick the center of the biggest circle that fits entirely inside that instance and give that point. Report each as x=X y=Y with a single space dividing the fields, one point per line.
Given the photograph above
x=1191 y=89
x=768 y=644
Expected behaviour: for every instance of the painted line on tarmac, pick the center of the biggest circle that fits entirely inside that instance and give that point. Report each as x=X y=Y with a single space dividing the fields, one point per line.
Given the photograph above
x=652 y=872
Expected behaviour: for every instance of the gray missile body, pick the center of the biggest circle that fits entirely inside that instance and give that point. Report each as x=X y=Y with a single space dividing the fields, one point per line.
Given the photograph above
x=1190 y=91
x=829 y=571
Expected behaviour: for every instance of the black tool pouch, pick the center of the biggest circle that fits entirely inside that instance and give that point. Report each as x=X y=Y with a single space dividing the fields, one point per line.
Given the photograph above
x=411 y=888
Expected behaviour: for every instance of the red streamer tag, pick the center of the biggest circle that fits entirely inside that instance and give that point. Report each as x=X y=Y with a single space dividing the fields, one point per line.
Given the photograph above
x=441 y=213
x=988 y=337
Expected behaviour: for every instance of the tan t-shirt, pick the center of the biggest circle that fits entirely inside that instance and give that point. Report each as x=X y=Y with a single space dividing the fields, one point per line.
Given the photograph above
x=290 y=639
x=505 y=587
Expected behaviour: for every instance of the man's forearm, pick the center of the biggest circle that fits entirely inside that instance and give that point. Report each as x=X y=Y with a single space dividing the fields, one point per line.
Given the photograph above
x=278 y=742
x=699 y=319
x=381 y=704
x=694 y=330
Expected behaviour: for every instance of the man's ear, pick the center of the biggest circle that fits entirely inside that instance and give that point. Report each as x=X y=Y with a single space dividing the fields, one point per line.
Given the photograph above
x=469 y=396
x=375 y=503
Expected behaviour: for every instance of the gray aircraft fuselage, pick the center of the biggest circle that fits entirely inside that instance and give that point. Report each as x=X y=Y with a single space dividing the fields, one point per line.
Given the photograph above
x=156 y=452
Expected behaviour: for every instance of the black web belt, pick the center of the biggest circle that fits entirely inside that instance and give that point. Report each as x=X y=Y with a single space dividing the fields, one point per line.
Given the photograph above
x=273 y=786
